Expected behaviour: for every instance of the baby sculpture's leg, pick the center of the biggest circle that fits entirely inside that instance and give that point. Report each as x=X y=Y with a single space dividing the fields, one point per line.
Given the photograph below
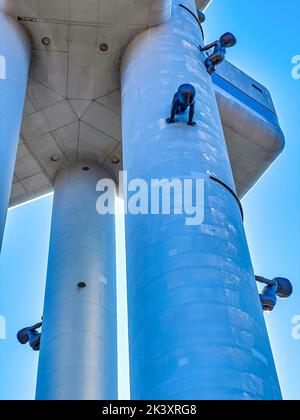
x=209 y=65
x=191 y=115
x=34 y=340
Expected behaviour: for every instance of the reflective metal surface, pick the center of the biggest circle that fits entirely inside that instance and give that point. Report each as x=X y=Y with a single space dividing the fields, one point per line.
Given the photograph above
x=15 y=60
x=196 y=326
x=78 y=357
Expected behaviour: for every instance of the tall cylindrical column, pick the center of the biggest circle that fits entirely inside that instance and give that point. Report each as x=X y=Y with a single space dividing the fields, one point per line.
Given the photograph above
x=196 y=325
x=14 y=66
x=78 y=357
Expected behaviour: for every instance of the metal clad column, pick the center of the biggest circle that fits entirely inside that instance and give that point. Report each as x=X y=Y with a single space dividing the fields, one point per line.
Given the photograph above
x=78 y=358
x=14 y=66
x=196 y=325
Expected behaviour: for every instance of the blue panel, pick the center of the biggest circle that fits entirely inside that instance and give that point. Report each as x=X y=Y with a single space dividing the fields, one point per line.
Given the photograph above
x=245 y=99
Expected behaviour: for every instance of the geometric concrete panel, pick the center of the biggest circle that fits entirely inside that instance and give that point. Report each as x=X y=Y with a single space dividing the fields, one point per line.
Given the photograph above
x=36 y=182
x=27 y=166
x=67 y=139
x=96 y=139
x=40 y=96
x=47 y=120
x=112 y=101
x=49 y=154
x=104 y=120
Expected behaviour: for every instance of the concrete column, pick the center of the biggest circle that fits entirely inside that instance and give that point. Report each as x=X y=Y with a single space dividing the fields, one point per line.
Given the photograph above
x=78 y=357
x=196 y=326
x=14 y=66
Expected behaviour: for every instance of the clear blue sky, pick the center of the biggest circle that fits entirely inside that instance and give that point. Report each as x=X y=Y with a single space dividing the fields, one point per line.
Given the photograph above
x=268 y=39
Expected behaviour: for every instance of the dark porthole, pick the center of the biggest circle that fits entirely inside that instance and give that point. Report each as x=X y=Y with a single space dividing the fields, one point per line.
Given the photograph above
x=103 y=47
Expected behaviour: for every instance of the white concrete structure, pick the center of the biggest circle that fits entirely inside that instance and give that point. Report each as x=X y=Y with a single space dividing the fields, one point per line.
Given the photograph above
x=73 y=119
x=78 y=358
x=196 y=328
x=15 y=60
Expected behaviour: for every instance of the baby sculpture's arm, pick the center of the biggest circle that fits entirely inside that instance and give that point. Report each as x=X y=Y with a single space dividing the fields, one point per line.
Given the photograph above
x=35 y=327
x=171 y=120
x=209 y=46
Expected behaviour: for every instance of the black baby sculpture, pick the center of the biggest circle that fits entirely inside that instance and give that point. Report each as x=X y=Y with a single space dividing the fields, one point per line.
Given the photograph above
x=183 y=99
x=227 y=40
x=278 y=287
x=31 y=335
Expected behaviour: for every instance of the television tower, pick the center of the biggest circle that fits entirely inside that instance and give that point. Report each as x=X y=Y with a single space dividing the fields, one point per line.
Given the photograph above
x=97 y=96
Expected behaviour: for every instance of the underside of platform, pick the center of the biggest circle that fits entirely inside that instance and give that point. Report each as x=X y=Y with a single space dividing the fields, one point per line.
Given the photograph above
x=72 y=111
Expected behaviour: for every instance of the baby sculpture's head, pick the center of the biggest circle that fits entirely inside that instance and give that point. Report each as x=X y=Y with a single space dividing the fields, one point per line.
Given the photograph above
x=187 y=94
x=201 y=16
x=228 y=40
